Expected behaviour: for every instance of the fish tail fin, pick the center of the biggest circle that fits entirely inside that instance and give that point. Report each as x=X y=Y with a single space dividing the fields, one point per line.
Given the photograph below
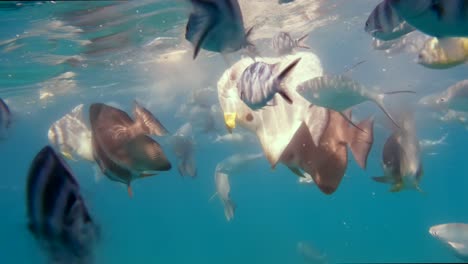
x=380 y=103
x=361 y=140
x=229 y=208
x=280 y=78
x=301 y=42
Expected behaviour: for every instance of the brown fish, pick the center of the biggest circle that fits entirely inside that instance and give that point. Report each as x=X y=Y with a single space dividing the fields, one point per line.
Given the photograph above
x=125 y=156
x=327 y=161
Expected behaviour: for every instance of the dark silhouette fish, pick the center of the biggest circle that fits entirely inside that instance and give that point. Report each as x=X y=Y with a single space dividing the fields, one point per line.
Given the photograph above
x=5 y=118
x=121 y=147
x=57 y=214
x=216 y=25
x=385 y=24
x=436 y=18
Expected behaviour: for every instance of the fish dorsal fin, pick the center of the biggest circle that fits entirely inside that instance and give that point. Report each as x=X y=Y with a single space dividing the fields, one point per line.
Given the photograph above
x=77 y=112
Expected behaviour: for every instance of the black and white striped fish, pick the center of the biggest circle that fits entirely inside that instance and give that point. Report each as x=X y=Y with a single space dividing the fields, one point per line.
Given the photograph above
x=447 y=18
x=5 y=118
x=385 y=24
x=216 y=25
x=284 y=44
x=57 y=214
x=257 y=85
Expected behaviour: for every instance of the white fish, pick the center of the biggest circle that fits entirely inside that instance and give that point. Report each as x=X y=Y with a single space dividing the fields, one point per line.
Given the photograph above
x=284 y=44
x=230 y=165
x=455 y=235
x=183 y=145
x=257 y=85
x=216 y=25
x=455 y=97
x=447 y=18
x=401 y=160
x=70 y=135
x=443 y=55
x=339 y=92
x=222 y=190
x=385 y=24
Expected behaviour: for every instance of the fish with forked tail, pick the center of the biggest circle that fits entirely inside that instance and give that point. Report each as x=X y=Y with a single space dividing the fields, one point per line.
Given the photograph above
x=284 y=44
x=257 y=85
x=183 y=146
x=339 y=92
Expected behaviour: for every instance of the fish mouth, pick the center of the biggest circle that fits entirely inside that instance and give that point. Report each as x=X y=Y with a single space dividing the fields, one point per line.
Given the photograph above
x=230 y=121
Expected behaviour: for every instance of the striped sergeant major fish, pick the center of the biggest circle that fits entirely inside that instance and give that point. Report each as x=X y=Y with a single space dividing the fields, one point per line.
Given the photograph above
x=385 y=24
x=57 y=214
x=284 y=44
x=217 y=25
x=257 y=85
x=437 y=18
x=70 y=135
x=5 y=118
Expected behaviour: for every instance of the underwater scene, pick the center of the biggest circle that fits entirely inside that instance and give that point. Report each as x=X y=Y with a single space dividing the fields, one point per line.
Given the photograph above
x=234 y=131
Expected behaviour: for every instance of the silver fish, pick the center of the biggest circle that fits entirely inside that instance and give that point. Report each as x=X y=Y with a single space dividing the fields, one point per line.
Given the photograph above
x=385 y=24
x=70 y=135
x=222 y=190
x=284 y=44
x=257 y=85
x=5 y=118
x=453 y=98
x=232 y=164
x=123 y=157
x=455 y=235
x=57 y=214
x=339 y=92
x=401 y=158
x=216 y=25
x=183 y=146
x=447 y=18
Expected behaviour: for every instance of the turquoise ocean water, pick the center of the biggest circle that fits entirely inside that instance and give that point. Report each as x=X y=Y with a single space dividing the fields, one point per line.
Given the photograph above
x=170 y=219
